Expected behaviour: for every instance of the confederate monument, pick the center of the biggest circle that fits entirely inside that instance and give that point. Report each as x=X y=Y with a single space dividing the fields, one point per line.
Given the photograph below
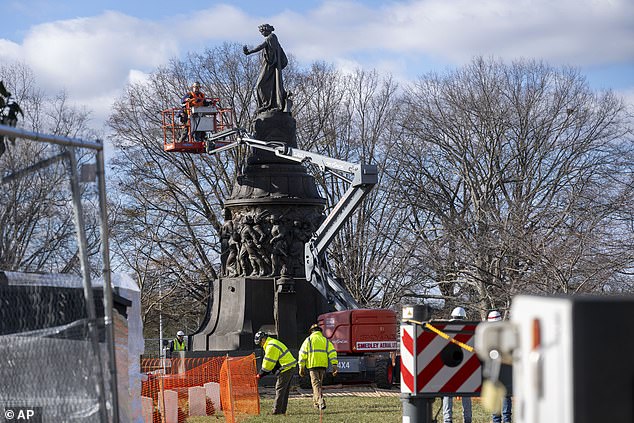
x=273 y=210
x=270 y=87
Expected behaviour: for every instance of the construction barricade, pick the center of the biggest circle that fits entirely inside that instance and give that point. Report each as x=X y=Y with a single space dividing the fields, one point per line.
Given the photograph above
x=179 y=388
x=437 y=360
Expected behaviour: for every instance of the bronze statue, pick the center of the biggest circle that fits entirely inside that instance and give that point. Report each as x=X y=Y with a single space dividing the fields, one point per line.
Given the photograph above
x=9 y=111
x=250 y=249
x=230 y=247
x=279 y=247
x=269 y=87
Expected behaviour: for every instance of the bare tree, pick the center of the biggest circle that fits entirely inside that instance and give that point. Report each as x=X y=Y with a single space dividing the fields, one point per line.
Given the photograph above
x=170 y=204
x=516 y=178
x=488 y=181
x=352 y=117
x=37 y=232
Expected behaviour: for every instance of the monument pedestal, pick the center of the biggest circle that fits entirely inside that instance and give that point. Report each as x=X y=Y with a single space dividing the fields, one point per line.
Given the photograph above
x=274 y=209
x=243 y=306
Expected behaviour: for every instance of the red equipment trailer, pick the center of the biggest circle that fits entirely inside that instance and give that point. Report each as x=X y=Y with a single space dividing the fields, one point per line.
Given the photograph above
x=366 y=341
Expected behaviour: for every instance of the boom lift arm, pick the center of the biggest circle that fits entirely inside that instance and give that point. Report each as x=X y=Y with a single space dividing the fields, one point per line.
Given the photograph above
x=364 y=177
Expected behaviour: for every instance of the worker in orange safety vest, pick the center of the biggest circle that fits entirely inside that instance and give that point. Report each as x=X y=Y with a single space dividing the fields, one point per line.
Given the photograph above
x=194 y=98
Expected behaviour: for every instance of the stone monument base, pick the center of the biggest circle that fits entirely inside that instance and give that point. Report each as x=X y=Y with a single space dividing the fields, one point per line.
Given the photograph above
x=283 y=307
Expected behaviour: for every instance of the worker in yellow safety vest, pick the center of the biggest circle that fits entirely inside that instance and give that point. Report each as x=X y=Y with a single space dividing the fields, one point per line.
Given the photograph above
x=315 y=354
x=278 y=359
x=178 y=343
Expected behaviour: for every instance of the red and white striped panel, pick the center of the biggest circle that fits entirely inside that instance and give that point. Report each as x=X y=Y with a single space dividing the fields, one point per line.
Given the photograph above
x=408 y=334
x=421 y=356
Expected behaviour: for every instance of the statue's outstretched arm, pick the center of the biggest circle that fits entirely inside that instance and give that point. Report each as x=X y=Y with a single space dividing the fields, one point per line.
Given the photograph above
x=246 y=50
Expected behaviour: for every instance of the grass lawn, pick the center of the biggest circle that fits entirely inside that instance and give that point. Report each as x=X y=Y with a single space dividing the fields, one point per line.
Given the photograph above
x=350 y=409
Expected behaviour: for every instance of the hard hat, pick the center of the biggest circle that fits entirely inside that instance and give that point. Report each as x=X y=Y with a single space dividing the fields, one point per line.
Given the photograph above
x=180 y=333
x=459 y=313
x=494 y=316
x=259 y=336
x=314 y=328
x=196 y=84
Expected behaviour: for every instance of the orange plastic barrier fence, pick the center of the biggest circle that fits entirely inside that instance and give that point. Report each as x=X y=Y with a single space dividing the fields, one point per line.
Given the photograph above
x=178 y=388
x=239 y=388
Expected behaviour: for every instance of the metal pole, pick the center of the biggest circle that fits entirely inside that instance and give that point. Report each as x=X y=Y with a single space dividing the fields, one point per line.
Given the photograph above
x=55 y=139
x=107 y=285
x=161 y=317
x=82 y=245
x=232 y=414
x=416 y=409
x=88 y=294
x=27 y=170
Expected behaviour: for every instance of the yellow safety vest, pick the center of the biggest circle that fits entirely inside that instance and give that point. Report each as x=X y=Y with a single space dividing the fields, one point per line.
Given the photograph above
x=179 y=346
x=274 y=351
x=317 y=351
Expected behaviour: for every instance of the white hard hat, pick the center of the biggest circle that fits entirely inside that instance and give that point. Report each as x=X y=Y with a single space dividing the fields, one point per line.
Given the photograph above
x=259 y=336
x=494 y=316
x=459 y=313
x=180 y=333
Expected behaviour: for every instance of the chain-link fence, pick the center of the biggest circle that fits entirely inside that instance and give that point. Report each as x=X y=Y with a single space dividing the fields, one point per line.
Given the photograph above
x=57 y=339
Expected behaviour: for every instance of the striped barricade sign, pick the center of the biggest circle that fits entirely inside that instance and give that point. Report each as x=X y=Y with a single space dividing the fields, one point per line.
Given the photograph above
x=437 y=359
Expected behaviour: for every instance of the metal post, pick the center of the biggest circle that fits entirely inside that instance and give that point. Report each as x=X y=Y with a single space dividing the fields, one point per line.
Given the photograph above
x=55 y=139
x=69 y=153
x=160 y=304
x=416 y=409
x=162 y=349
x=88 y=294
x=232 y=415
x=107 y=285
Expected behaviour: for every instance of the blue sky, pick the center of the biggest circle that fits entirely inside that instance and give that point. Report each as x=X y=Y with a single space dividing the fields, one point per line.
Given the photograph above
x=92 y=49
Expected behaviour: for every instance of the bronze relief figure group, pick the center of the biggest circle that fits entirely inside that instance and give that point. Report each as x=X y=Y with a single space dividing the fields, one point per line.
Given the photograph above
x=264 y=243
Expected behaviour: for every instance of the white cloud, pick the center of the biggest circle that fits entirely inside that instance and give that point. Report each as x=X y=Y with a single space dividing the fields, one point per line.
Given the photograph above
x=99 y=105
x=93 y=58
x=222 y=22
x=9 y=51
x=136 y=76
x=577 y=32
x=93 y=55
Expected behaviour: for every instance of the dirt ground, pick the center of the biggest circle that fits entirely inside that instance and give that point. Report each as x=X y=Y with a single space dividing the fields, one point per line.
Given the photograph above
x=338 y=390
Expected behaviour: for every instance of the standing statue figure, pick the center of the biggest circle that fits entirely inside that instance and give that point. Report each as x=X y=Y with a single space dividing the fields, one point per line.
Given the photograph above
x=249 y=250
x=270 y=89
x=279 y=248
x=230 y=247
x=299 y=235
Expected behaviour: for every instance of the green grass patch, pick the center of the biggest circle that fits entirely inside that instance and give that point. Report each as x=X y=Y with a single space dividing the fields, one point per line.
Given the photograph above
x=348 y=410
